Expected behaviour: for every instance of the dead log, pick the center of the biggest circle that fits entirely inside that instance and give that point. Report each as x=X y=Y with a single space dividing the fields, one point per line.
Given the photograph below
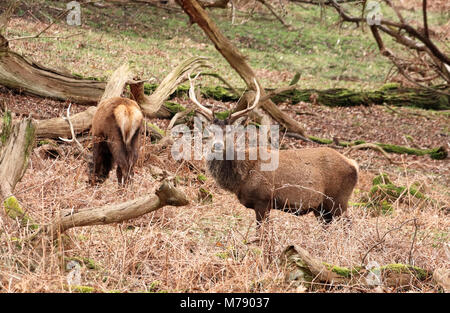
x=167 y=194
x=23 y=75
x=237 y=60
x=304 y=269
x=58 y=127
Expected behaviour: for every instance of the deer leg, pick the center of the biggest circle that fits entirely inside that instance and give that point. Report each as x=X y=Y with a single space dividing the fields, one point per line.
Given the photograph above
x=133 y=152
x=120 y=157
x=102 y=163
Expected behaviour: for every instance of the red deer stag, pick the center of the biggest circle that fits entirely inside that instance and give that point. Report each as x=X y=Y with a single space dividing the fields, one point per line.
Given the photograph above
x=320 y=180
x=115 y=130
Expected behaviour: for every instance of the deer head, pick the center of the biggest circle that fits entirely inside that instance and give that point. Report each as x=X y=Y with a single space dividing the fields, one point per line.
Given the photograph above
x=227 y=126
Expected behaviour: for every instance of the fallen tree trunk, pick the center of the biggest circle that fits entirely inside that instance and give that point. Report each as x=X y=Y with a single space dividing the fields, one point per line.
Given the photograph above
x=438 y=153
x=23 y=75
x=307 y=270
x=391 y=94
x=167 y=194
x=58 y=127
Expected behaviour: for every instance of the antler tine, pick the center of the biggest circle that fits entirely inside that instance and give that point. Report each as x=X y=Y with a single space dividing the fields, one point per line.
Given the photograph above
x=74 y=137
x=238 y=114
x=203 y=110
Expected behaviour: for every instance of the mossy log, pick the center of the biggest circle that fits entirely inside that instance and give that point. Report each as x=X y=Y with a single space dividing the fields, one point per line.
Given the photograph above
x=307 y=270
x=391 y=94
x=438 y=153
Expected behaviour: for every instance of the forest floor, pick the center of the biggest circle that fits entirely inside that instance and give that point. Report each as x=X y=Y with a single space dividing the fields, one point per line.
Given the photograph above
x=203 y=247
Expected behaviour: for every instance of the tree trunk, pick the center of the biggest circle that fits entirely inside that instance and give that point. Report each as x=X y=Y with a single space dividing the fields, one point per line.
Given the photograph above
x=198 y=15
x=17 y=141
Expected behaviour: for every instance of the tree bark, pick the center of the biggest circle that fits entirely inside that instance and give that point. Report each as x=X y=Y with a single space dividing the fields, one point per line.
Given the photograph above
x=58 y=127
x=17 y=141
x=237 y=60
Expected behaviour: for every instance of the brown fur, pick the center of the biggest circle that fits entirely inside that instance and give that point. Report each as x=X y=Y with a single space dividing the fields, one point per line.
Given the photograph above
x=115 y=131
x=316 y=179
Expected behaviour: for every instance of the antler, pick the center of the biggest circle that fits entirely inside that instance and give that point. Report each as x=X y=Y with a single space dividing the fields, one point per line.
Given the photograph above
x=74 y=137
x=238 y=114
x=203 y=110
x=209 y=113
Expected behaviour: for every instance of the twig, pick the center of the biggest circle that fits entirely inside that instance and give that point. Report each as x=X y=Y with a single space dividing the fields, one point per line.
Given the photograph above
x=413 y=241
x=59 y=17
x=425 y=19
x=383 y=238
x=271 y=9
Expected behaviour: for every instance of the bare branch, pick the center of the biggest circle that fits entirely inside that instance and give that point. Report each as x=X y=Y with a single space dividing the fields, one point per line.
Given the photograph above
x=59 y=17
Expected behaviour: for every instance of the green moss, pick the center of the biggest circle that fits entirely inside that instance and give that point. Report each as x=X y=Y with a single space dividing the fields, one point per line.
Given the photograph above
x=321 y=140
x=89 y=263
x=156 y=128
x=394 y=191
x=343 y=271
x=222 y=115
x=435 y=153
x=390 y=86
x=204 y=196
x=386 y=208
x=201 y=177
x=438 y=153
x=43 y=142
x=13 y=209
x=174 y=107
x=223 y=255
x=149 y=88
x=7 y=127
x=383 y=178
x=218 y=93
x=83 y=289
x=420 y=273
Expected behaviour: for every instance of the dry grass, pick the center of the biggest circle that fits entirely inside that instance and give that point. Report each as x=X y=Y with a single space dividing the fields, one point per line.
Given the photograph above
x=202 y=247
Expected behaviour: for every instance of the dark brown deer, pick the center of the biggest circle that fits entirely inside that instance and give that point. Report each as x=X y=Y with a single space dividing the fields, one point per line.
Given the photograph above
x=115 y=130
x=318 y=180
